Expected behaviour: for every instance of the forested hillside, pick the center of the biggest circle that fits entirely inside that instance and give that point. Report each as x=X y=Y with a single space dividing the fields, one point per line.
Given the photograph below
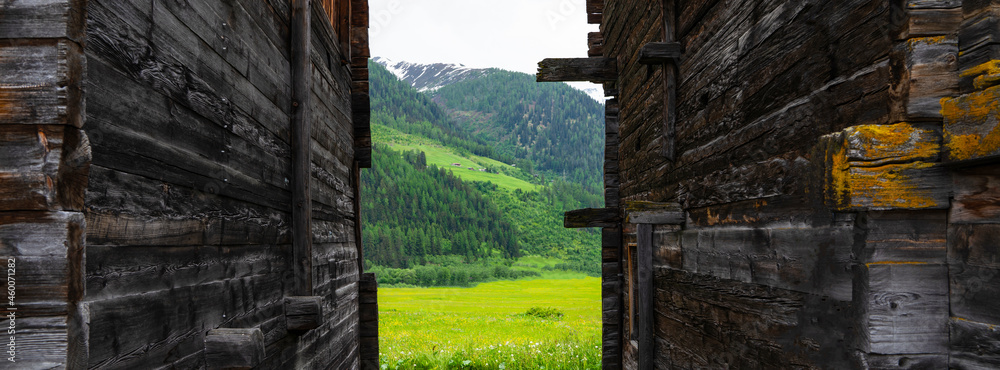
x=558 y=128
x=416 y=210
x=446 y=204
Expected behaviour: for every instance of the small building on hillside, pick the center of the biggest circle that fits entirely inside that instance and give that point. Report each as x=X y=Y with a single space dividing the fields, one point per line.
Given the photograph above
x=797 y=184
x=180 y=187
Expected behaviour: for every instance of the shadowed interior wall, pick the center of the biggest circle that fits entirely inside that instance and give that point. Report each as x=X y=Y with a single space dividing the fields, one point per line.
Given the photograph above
x=189 y=200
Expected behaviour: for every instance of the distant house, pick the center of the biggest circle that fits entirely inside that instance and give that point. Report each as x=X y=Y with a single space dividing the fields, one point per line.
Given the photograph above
x=457 y=164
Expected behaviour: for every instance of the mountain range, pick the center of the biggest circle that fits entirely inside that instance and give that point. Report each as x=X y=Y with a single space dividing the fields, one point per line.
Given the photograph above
x=433 y=76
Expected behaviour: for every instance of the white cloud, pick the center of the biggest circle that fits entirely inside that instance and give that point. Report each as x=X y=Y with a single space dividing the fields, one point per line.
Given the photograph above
x=508 y=34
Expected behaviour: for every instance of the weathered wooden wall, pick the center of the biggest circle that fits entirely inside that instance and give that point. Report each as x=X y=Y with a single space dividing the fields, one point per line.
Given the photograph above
x=836 y=165
x=44 y=161
x=168 y=214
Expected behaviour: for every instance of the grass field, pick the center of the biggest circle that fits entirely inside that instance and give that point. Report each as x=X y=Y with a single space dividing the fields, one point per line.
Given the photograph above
x=445 y=158
x=486 y=327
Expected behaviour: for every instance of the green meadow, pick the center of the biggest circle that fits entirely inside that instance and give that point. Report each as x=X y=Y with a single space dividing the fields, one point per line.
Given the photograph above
x=552 y=322
x=446 y=158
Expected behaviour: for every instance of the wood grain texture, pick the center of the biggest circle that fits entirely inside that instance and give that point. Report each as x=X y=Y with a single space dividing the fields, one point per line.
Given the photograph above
x=577 y=69
x=927 y=72
x=303 y=313
x=591 y=217
x=660 y=53
x=46 y=86
x=234 y=348
x=190 y=198
x=644 y=292
x=43 y=19
x=46 y=168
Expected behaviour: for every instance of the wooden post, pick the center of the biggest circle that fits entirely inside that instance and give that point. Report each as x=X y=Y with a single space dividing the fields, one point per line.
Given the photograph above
x=669 y=85
x=644 y=292
x=301 y=155
x=356 y=177
x=368 y=321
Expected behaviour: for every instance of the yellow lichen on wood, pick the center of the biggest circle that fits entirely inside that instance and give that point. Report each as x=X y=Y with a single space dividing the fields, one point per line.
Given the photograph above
x=889 y=186
x=839 y=186
x=987 y=74
x=881 y=167
x=898 y=142
x=971 y=128
x=913 y=42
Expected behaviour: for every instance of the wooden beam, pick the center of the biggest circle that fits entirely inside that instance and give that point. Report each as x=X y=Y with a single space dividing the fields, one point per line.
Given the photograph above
x=368 y=321
x=654 y=213
x=595 y=44
x=303 y=313
x=344 y=27
x=595 y=18
x=660 y=52
x=234 y=348
x=595 y=6
x=644 y=292
x=360 y=51
x=301 y=155
x=577 y=69
x=356 y=184
x=592 y=217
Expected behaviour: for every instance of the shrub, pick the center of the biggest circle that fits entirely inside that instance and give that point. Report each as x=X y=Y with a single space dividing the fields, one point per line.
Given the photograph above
x=547 y=313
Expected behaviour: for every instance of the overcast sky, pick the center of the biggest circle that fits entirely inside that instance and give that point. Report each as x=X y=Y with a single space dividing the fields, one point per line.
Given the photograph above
x=509 y=34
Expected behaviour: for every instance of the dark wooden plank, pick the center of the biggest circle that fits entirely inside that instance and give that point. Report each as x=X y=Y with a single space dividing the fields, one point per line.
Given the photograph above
x=660 y=52
x=45 y=167
x=974 y=345
x=595 y=18
x=977 y=196
x=645 y=303
x=577 y=69
x=971 y=132
x=906 y=307
x=926 y=68
x=639 y=212
x=301 y=162
x=592 y=217
x=595 y=6
x=234 y=348
x=46 y=87
x=303 y=313
x=885 y=167
x=595 y=44
x=36 y=19
x=360 y=51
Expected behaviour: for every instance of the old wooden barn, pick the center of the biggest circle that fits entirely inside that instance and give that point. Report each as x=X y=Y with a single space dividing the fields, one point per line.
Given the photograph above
x=798 y=183
x=179 y=184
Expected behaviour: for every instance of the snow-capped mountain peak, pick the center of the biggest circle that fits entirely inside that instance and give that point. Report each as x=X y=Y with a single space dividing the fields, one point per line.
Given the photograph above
x=430 y=77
